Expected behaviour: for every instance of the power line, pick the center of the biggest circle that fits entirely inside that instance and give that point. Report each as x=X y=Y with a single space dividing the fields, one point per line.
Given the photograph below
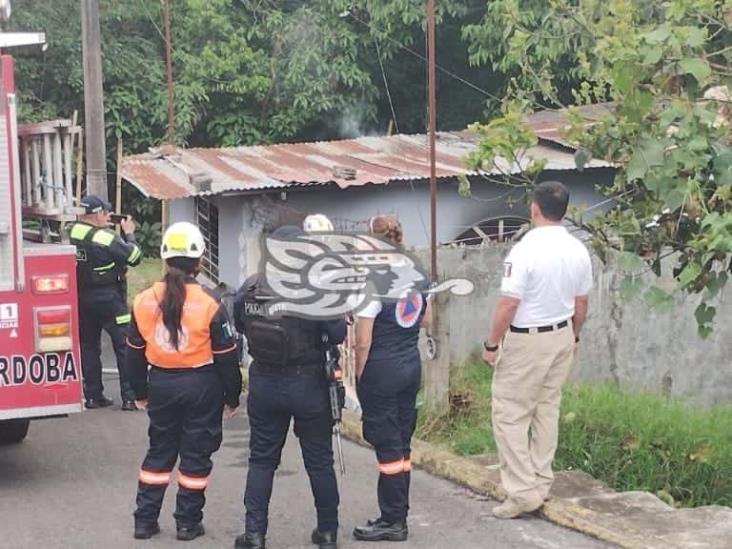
x=424 y=59
x=386 y=85
x=154 y=24
x=396 y=126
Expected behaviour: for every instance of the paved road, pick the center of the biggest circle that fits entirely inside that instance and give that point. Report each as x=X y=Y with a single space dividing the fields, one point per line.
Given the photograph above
x=72 y=484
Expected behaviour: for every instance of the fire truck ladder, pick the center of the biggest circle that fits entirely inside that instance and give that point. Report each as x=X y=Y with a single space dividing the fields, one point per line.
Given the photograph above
x=47 y=151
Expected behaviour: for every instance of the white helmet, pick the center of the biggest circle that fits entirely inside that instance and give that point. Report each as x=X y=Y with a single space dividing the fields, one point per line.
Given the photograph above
x=317 y=223
x=182 y=239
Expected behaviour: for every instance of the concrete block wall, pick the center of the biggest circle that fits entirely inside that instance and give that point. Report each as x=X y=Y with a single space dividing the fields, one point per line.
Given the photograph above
x=625 y=342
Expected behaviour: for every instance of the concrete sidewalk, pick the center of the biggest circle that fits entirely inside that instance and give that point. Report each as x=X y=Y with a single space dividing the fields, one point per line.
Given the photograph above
x=72 y=483
x=635 y=520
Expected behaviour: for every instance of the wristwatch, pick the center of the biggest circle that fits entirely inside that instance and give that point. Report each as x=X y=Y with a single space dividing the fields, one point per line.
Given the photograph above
x=490 y=348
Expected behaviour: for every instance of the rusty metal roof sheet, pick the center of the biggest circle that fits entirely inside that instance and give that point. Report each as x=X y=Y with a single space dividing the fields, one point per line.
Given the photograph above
x=549 y=125
x=178 y=173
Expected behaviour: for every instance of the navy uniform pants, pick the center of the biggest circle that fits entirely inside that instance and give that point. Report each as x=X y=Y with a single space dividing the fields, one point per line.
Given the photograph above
x=276 y=396
x=185 y=409
x=106 y=312
x=387 y=392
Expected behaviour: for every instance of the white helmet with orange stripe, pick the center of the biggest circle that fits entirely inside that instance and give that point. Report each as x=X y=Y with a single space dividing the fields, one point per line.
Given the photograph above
x=182 y=239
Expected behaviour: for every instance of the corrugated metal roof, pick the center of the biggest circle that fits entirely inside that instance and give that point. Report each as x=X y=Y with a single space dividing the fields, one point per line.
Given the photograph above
x=549 y=125
x=178 y=173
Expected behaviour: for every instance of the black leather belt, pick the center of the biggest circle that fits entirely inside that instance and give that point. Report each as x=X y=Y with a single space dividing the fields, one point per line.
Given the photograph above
x=295 y=370
x=540 y=329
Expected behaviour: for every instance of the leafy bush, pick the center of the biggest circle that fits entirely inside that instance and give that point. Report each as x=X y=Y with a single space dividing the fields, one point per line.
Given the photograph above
x=146 y=212
x=631 y=441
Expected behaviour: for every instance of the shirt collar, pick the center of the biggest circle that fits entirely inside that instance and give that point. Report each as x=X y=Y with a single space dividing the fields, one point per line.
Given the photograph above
x=544 y=229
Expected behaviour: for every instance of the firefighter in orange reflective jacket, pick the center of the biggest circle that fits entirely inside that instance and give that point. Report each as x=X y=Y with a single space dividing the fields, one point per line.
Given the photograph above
x=183 y=332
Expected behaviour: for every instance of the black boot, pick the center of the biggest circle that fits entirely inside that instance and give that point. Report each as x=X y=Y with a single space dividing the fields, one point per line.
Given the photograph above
x=146 y=531
x=380 y=530
x=189 y=533
x=325 y=540
x=129 y=406
x=249 y=540
x=101 y=402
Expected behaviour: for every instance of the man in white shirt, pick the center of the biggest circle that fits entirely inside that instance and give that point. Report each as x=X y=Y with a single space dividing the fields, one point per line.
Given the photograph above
x=547 y=277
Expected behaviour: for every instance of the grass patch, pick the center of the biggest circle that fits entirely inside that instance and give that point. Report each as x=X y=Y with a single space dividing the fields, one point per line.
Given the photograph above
x=142 y=276
x=631 y=441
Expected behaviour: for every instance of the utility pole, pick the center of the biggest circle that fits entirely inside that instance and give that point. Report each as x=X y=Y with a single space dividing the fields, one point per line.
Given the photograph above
x=169 y=71
x=432 y=100
x=165 y=205
x=96 y=152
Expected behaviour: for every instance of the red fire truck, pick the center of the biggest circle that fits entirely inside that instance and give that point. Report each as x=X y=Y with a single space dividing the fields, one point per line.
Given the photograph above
x=40 y=368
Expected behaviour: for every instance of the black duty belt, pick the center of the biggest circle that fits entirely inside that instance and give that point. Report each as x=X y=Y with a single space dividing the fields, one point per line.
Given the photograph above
x=540 y=329
x=294 y=370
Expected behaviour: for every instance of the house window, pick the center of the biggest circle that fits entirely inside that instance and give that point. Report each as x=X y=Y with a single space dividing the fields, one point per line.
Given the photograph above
x=499 y=229
x=207 y=216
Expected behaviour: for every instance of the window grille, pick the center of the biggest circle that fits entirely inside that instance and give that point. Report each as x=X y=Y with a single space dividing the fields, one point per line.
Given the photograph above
x=207 y=217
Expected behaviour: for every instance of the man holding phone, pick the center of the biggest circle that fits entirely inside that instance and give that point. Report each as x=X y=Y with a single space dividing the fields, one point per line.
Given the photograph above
x=102 y=258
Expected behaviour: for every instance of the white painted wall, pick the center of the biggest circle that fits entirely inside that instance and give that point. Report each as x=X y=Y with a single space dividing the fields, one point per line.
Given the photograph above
x=240 y=226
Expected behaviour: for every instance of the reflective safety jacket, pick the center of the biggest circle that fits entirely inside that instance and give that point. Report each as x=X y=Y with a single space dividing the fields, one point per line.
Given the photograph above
x=206 y=338
x=102 y=258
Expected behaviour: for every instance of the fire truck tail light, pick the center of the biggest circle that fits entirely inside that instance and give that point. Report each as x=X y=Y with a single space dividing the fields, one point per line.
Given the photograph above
x=53 y=330
x=54 y=316
x=51 y=284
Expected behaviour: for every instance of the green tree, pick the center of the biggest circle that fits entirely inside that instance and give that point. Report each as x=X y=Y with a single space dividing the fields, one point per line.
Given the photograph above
x=252 y=71
x=663 y=65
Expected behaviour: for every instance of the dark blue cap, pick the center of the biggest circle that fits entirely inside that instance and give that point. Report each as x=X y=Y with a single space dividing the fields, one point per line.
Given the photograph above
x=93 y=204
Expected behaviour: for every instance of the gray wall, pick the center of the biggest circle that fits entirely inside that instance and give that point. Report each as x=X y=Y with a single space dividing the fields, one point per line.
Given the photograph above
x=241 y=216
x=624 y=341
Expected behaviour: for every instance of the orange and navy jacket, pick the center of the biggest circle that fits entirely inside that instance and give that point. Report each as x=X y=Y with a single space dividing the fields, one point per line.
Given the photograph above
x=206 y=338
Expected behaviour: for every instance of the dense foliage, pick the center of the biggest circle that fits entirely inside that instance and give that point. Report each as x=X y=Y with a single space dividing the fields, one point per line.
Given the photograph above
x=253 y=71
x=664 y=65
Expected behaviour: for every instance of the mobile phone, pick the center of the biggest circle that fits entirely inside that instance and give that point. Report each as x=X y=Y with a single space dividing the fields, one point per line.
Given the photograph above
x=117 y=218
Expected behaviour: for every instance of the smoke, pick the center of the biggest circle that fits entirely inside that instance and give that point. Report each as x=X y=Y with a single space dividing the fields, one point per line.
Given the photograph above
x=354 y=122
x=306 y=31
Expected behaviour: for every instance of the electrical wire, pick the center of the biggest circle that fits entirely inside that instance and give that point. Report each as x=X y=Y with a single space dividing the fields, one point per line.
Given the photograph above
x=147 y=14
x=396 y=126
x=386 y=85
x=424 y=59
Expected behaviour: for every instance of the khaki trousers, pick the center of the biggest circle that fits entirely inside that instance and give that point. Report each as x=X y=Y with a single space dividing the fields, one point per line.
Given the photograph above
x=527 y=390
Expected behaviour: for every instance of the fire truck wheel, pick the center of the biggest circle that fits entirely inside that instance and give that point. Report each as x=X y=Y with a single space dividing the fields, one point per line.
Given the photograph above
x=13 y=431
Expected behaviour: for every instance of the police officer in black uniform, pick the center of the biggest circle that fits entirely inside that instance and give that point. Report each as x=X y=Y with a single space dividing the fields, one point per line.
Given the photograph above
x=102 y=258
x=287 y=380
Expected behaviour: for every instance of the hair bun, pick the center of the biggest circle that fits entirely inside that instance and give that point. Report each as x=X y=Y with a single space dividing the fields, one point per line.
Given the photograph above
x=388 y=227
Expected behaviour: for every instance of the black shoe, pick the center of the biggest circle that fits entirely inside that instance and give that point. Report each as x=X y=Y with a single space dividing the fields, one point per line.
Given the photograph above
x=146 y=531
x=188 y=533
x=325 y=540
x=249 y=541
x=381 y=530
x=93 y=403
x=129 y=406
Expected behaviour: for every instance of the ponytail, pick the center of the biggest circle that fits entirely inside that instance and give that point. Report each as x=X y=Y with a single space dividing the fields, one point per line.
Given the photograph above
x=179 y=271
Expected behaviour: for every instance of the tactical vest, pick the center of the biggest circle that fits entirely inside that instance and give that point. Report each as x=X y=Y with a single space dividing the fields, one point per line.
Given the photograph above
x=276 y=340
